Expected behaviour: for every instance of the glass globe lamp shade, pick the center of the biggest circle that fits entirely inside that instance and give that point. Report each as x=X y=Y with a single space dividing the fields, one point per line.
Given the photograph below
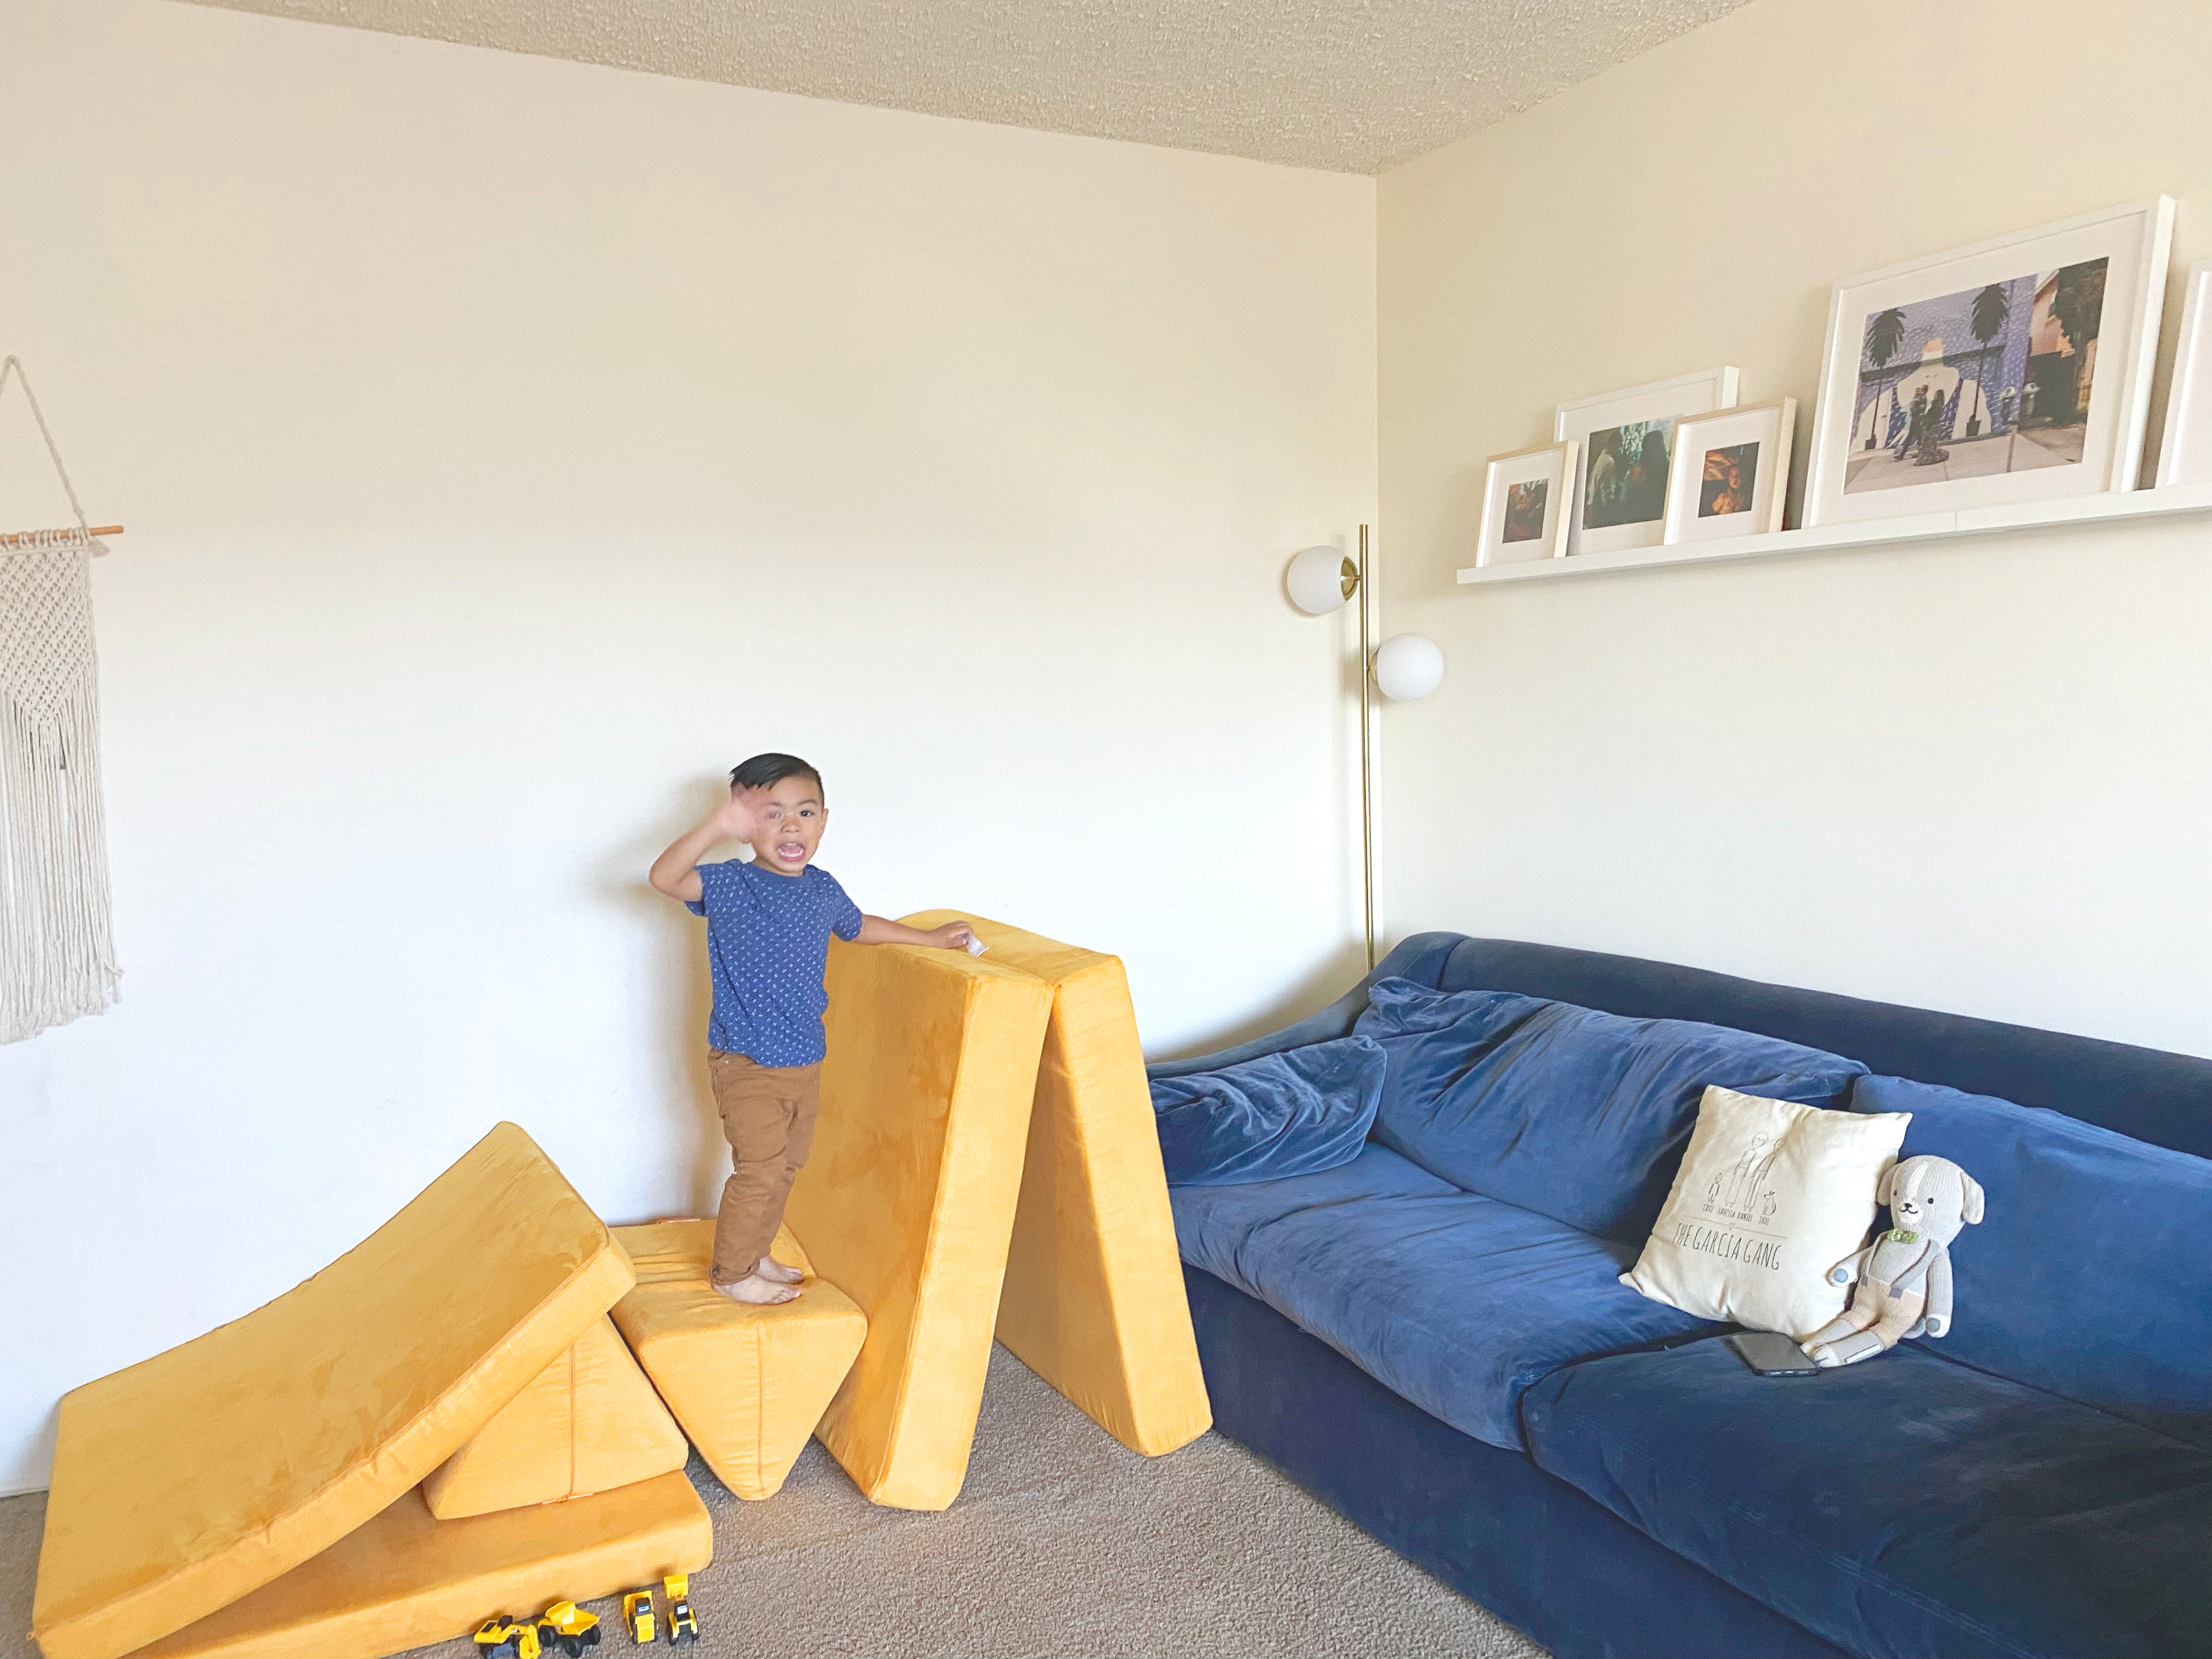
x=1407 y=666
x=1315 y=580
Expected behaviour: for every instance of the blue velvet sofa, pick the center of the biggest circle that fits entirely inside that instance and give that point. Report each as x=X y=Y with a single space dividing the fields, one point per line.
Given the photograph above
x=1455 y=1367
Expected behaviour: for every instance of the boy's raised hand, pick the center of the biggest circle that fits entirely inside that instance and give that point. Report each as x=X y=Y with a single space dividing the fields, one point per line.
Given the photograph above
x=739 y=818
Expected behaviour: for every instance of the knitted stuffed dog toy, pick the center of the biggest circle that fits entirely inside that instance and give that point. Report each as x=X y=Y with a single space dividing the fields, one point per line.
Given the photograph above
x=1903 y=1278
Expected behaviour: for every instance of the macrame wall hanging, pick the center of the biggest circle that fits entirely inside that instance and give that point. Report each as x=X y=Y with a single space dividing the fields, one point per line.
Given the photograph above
x=57 y=939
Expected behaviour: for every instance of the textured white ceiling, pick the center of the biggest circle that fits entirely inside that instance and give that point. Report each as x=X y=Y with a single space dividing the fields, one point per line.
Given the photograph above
x=1352 y=86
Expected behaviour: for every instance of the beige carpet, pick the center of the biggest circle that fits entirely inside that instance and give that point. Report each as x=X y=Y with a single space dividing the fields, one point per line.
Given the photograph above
x=1063 y=1542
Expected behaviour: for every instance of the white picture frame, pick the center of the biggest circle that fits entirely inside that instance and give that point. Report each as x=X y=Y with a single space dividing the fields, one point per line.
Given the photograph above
x=1526 y=496
x=1955 y=380
x=1631 y=504
x=1730 y=474
x=2184 y=454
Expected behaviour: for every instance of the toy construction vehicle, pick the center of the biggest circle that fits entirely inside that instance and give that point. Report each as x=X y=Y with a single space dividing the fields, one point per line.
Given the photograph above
x=682 y=1623
x=502 y=1638
x=568 y=1628
x=637 y=1613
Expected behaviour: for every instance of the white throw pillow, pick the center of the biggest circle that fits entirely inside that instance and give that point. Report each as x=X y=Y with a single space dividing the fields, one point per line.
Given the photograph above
x=1771 y=1195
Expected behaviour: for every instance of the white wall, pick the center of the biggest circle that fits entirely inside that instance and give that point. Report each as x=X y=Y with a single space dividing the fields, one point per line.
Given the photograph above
x=506 y=446
x=1972 y=776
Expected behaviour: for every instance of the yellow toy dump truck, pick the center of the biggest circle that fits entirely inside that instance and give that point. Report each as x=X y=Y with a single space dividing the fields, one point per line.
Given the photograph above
x=637 y=1613
x=568 y=1628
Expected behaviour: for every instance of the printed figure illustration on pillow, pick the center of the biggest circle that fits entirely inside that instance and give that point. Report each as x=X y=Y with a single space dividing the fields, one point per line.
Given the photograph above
x=1903 y=1278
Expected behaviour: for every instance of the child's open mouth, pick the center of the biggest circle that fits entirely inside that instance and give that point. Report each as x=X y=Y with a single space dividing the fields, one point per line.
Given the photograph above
x=790 y=852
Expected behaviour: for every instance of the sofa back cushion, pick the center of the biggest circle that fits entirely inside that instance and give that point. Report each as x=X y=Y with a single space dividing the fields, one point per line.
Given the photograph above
x=1577 y=1114
x=2090 y=1275
x=1263 y=1120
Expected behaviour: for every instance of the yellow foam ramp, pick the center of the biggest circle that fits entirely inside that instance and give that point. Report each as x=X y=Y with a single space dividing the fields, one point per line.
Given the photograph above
x=748 y=1384
x=190 y=1479
x=587 y=1423
x=907 y=1201
x=1094 y=1300
x=404 y=1579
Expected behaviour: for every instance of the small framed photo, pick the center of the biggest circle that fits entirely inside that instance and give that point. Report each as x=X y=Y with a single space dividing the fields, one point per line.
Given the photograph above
x=2185 y=452
x=1524 y=504
x=2014 y=370
x=1627 y=439
x=1731 y=472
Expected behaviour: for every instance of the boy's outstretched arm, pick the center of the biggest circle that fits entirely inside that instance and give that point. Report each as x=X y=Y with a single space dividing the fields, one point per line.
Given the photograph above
x=676 y=872
x=874 y=930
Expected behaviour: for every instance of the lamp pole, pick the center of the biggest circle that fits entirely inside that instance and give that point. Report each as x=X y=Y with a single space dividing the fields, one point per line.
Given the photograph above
x=1366 y=762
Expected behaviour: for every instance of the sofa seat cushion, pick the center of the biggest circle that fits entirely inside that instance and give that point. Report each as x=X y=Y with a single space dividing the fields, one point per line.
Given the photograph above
x=1905 y=1505
x=1575 y=1113
x=1455 y=1301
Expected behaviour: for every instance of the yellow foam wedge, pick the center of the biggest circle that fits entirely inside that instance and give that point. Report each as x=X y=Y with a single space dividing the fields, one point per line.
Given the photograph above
x=907 y=1201
x=586 y=1423
x=405 y=1579
x=1094 y=1299
x=747 y=1384
x=195 y=1477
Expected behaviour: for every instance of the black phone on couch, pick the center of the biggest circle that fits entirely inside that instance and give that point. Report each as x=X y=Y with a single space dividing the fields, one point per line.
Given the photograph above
x=1771 y=1354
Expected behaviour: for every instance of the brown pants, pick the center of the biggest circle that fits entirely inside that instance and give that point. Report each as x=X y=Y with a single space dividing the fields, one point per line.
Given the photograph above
x=768 y=1113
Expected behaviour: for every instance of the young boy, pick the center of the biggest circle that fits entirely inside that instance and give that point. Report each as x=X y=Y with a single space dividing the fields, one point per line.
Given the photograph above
x=768 y=924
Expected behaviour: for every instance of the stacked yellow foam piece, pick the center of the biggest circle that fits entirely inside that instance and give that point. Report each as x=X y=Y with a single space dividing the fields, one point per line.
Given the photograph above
x=1094 y=1300
x=249 y=1492
x=908 y=1200
x=748 y=1383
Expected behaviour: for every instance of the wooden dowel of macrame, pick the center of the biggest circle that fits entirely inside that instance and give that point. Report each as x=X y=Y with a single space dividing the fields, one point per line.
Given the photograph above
x=66 y=538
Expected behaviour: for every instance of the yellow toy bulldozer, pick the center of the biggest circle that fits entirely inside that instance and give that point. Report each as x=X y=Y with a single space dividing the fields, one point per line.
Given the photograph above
x=502 y=1638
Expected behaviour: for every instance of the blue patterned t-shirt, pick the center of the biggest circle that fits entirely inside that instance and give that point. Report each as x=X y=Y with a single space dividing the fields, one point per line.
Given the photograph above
x=768 y=942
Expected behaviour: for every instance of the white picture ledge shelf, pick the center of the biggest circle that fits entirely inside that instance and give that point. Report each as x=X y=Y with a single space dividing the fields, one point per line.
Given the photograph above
x=2172 y=501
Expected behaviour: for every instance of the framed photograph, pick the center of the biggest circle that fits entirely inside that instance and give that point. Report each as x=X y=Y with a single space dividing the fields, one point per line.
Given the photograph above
x=1731 y=472
x=1627 y=439
x=2185 y=453
x=2014 y=370
x=1524 y=504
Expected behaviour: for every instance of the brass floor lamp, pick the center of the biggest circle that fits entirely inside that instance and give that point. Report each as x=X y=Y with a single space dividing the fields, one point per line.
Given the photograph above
x=1406 y=666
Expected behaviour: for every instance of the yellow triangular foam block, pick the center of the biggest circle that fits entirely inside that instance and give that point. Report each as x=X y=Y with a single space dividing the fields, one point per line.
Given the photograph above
x=587 y=1423
x=748 y=1383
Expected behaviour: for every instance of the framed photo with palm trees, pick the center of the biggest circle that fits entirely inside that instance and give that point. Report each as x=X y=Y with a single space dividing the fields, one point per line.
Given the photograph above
x=2014 y=370
x=1627 y=439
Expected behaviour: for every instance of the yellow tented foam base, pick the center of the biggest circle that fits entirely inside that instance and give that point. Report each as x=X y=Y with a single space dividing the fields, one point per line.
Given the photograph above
x=1094 y=1300
x=404 y=1579
x=202 y=1473
x=747 y=1384
x=908 y=1199
x=586 y=1423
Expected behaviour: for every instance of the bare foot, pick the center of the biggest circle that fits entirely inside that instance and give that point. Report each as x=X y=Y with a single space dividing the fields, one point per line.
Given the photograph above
x=775 y=1273
x=761 y=1292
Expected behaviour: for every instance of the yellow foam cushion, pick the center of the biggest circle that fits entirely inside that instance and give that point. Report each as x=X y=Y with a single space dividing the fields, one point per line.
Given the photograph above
x=1094 y=1299
x=747 y=1384
x=588 y=1422
x=189 y=1480
x=908 y=1199
x=404 y=1579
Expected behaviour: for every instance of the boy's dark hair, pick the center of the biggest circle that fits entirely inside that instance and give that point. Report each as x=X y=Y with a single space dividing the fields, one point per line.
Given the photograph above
x=766 y=771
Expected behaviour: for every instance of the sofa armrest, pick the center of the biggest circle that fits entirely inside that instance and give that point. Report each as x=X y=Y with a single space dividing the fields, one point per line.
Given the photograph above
x=1420 y=958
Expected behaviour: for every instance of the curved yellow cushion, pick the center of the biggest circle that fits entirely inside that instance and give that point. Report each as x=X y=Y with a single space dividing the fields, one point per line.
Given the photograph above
x=586 y=1423
x=403 y=1580
x=747 y=1384
x=1094 y=1299
x=204 y=1473
x=908 y=1199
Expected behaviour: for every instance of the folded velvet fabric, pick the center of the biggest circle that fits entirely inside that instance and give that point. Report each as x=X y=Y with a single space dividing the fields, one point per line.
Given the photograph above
x=1296 y=1113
